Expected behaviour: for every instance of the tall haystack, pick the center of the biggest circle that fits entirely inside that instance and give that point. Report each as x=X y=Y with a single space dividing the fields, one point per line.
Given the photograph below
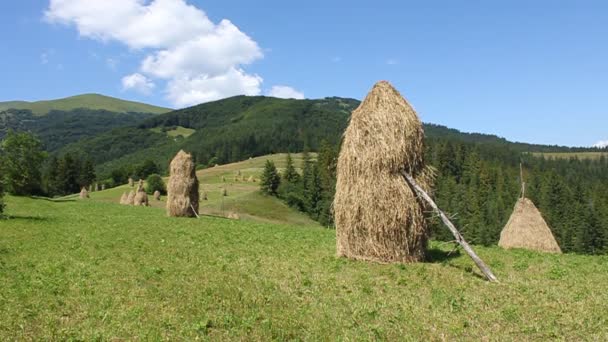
x=182 y=189
x=130 y=198
x=84 y=194
x=141 y=199
x=131 y=182
x=378 y=216
x=124 y=198
x=527 y=229
x=157 y=195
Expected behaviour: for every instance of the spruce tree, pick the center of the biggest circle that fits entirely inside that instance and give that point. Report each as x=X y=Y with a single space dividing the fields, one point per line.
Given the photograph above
x=290 y=174
x=270 y=180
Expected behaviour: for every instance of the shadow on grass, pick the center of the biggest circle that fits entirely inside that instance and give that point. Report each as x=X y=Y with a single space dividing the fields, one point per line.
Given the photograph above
x=54 y=200
x=25 y=218
x=436 y=255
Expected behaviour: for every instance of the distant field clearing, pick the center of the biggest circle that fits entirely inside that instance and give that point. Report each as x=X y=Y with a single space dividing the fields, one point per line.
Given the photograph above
x=179 y=130
x=568 y=155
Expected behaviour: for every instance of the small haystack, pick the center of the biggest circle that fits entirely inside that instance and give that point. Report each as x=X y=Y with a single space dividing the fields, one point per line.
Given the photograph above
x=141 y=199
x=124 y=198
x=131 y=182
x=378 y=216
x=157 y=195
x=250 y=179
x=103 y=187
x=224 y=192
x=527 y=229
x=130 y=198
x=204 y=196
x=84 y=194
x=233 y=216
x=182 y=189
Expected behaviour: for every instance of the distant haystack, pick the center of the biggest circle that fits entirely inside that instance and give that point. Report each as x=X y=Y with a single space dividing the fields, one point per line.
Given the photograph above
x=378 y=216
x=103 y=187
x=527 y=229
x=233 y=216
x=182 y=189
x=204 y=196
x=157 y=195
x=124 y=198
x=130 y=198
x=250 y=179
x=141 y=199
x=84 y=194
x=131 y=182
x=140 y=185
x=224 y=192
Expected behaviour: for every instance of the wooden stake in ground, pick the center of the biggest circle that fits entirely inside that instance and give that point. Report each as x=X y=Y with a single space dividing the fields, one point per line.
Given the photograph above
x=459 y=238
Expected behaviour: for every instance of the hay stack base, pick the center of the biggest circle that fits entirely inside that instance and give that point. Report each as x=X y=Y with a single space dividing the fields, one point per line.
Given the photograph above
x=182 y=189
x=130 y=198
x=141 y=199
x=84 y=194
x=124 y=198
x=527 y=229
x=378 y=216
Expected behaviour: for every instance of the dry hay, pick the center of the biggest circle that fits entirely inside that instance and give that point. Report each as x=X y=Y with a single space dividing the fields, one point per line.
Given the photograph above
x=157 y=195
x=141 y=199
x=124 y=198
x=140 y=185
x=84 y=194
x=527 y=229
x=182 y=188
x=250 y=179
x=131 y=182
x=378 y=216
x=232 y=215
x=204 y=196
x=130 y=198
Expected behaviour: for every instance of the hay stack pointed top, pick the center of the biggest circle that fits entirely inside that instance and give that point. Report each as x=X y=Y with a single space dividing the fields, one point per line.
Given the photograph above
x=378 y=216
x=527 y=229
x=386 y=122
x=182 y=188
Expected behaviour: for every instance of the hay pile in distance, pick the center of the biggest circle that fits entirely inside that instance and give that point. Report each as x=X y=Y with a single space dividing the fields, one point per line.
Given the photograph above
x=527 y=229
x=131 y=182
x=157 y=195
x=182 y=188
x=141 y=199
x=124 y=198
x=84 y=194
x=378 y=216
x=130 y=198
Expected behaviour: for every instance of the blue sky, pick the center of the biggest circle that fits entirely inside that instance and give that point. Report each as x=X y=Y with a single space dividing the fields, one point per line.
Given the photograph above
x=533 y=71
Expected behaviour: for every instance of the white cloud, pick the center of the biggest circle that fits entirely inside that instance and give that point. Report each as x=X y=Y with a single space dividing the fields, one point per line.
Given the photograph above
x=601 y=144
x=285 y=92
x=185 y=91
x=139 y=83
x=200 y=60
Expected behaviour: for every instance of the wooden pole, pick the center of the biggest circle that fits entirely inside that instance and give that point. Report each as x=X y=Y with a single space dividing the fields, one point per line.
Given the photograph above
x=194 y=211
x=459 y=238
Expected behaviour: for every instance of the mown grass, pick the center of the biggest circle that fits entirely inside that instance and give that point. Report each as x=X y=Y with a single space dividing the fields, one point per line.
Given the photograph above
x=570 y=155
x=91 y=270
x=174 y=133
x=244 y=198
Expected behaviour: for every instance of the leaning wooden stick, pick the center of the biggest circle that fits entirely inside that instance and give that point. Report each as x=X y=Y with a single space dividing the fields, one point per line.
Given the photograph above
x=194 y=211
x=459 y=238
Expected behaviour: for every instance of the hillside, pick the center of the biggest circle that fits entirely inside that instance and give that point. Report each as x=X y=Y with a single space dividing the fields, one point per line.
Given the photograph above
x=85 y=270
x=244 y=198
x=240 y=127
x=88 y=101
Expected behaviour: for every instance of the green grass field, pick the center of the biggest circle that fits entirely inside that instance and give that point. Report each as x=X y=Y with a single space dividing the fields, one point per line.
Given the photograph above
x=179 y=131
x=569 y=155
x=89 y=101
x=93 y=270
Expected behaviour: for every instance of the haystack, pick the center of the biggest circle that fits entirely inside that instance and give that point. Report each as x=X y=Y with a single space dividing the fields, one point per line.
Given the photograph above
x=204 y=196
x=124 y=198
x=157 y=195
x=250 y=179
x=84 y=194
x=182 y=189
x=224 y=192
x=130 y=198
x=378 y=216
x=527 y=229
x=131 y=182
x=141 y=199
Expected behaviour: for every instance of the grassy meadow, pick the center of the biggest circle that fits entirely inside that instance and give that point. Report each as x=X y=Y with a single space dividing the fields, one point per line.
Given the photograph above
x=95 y=270
x=569 y=155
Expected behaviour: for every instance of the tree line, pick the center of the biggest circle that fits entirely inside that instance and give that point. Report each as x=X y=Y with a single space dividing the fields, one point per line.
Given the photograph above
x=477 y=185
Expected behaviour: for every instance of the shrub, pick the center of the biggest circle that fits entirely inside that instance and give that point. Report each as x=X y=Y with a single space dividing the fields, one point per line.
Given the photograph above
x=155 y=183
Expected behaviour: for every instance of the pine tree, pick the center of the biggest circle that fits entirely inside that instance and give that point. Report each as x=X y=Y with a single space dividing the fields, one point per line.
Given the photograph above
x=290 y=174
x=270 y=180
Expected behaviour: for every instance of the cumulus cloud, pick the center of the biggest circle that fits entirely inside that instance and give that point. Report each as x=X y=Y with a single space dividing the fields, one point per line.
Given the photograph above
x=139 y=83
x=285 y=92
x=601 y=144
x=200 y=60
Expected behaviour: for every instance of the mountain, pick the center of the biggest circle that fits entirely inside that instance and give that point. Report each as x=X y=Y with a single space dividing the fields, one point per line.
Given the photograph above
x=89 y=101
